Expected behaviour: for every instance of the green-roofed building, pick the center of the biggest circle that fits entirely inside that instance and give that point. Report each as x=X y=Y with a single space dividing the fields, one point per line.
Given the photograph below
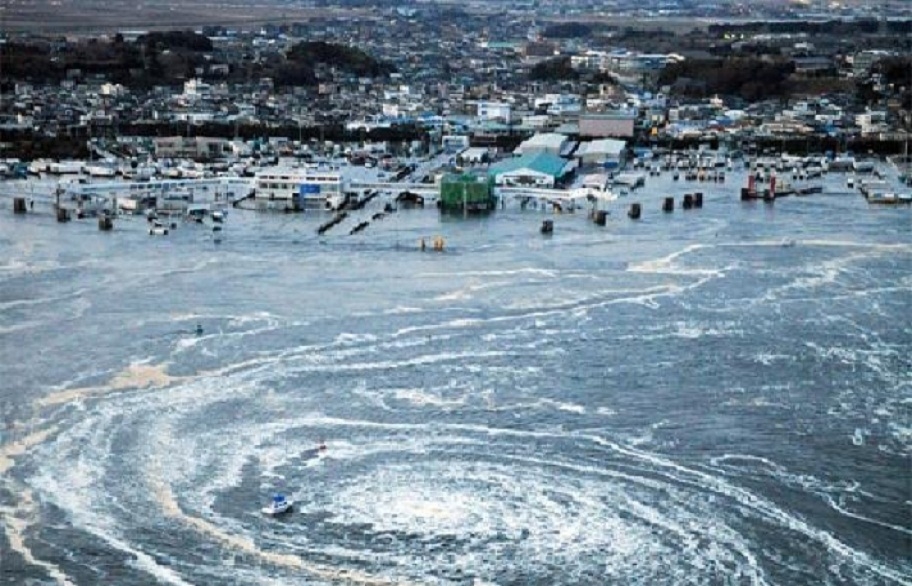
x=468 y=193
x=533 y=170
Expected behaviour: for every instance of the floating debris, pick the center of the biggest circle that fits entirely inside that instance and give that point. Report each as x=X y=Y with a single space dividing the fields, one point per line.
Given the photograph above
x=359 y=227
x=333 y=222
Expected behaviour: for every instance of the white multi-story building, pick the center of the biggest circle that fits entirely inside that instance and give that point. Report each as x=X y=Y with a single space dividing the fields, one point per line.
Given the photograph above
x=494 y=111
x=558 y=104
x=864 y=60
x=871 y=122
x=454 y=143
x=632 y=63
x=588 y=61
x=195 y=88
x=290 y=188
x=112 y=89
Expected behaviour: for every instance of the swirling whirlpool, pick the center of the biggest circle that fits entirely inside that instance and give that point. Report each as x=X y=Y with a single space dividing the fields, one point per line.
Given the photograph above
x=171 y=477
x=670 y=407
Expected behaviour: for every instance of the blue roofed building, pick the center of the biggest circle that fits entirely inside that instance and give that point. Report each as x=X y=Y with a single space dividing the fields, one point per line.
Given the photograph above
x=532 y=170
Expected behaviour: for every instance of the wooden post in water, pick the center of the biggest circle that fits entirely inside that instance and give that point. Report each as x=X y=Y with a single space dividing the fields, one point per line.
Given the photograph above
x=19 y=205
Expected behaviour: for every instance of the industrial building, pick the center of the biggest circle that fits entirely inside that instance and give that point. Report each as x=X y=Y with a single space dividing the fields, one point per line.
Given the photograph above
x=606 y=152
x=607 y=125
x=546 y=142
x=467 y=193
x=541 y=170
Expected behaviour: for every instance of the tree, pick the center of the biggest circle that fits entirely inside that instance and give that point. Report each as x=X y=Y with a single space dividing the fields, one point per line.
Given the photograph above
x=749 y=78
x=557 y=69
x=349 y=59
x=567 y=30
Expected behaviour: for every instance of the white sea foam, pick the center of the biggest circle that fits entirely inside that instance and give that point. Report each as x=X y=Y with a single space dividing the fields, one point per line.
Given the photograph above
x=769 y=358
x=71 y=488
x=423 y=398
x=402 y=309
x=668 y=264
x=19 y=327
x=760 y=506
x=832 y=493
x=347 y=338
x=548 y=512
x=431 y=479
x=535 y=271
x=562 y=406
x=38 y=301
x=457 y=295
x=16 y=521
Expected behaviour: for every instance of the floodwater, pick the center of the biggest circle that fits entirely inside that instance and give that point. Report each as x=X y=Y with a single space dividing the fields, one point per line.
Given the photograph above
x=712 y=396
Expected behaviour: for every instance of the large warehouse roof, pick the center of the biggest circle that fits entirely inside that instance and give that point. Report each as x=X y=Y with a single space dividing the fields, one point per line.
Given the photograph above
x=543 y=163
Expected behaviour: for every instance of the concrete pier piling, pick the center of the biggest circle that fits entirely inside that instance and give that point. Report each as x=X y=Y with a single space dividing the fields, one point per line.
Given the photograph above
x=634 y=212
x=668 y=205
x=19 y=205
x=698 y=199
x=601 y=217
x=688 y=201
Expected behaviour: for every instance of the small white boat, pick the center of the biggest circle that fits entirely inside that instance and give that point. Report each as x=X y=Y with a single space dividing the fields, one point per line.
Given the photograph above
x=158 y=229
x=279 y=506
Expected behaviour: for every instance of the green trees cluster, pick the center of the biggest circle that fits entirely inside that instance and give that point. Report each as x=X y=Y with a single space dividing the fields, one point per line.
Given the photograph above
x=748 y=78
x=862 y=26
x=346 y=58
x=156 y=58
x=895 y=70
x=302 y=59
x=567 y=30
x=176 y=40
x=557 y=69
x=21 y=62
x=29 y=145
x=169 y=58
x=895 y=80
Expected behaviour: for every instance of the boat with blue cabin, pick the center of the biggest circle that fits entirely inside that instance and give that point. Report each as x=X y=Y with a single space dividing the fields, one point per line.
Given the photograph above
x=278 y=506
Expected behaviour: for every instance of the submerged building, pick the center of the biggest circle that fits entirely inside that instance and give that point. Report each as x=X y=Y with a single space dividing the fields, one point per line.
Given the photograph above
x=467 y=193
x=297 y=189
x=540 y=170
